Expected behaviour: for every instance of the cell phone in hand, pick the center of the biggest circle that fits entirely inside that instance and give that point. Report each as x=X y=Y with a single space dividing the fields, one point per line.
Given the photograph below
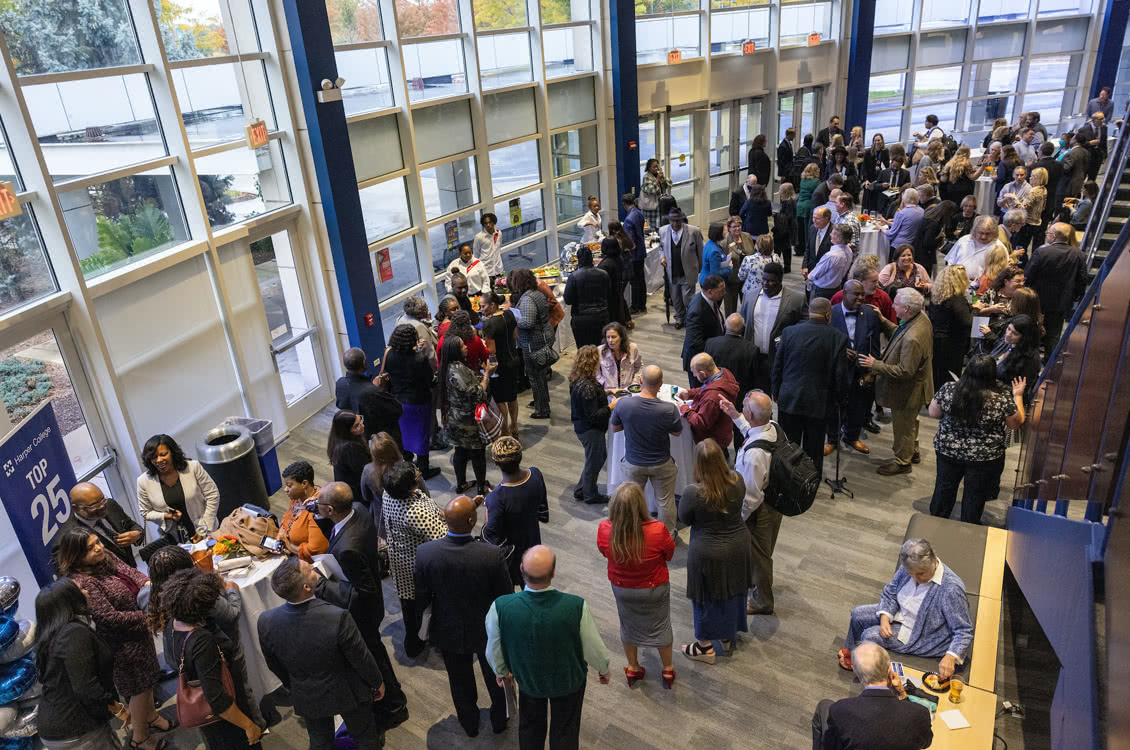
x=269 y=542
x=897 y=666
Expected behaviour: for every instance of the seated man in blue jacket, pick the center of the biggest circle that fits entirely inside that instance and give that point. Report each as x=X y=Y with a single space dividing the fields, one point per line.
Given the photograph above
x=922 y=611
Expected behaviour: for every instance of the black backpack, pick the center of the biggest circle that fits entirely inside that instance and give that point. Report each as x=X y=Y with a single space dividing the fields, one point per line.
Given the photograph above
x=793 y=479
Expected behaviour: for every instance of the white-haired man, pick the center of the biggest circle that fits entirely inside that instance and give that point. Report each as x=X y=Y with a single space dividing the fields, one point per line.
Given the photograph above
x=880 y=716
x=762 y=519
x=973 y=249
x=904 y=376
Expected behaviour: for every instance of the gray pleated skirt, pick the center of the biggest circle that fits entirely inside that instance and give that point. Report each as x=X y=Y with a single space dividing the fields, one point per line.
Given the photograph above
x=645 y=616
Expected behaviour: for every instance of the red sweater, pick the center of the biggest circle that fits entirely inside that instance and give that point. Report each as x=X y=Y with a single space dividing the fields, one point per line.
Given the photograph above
x=706 y=417
x=659 y=547
x=476 y=350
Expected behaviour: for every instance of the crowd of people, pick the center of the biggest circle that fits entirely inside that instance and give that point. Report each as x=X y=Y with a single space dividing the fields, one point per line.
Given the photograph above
x=954 y=323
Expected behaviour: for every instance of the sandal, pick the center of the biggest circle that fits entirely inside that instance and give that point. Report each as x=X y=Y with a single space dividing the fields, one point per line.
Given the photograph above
x=634 y=675
x=463 y=487
x=844 y=659
x=172 y=725
x=699 y=653
x=162 y=744
x=668 y=676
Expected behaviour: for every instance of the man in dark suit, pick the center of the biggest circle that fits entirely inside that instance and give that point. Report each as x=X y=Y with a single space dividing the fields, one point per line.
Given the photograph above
x=633 y=227
x=758 y=162
x=1048 y=162
x=704 y=321
x=103 y=517
x=317 y=651
x=1074 y=171
x=356 y=392
x=460 y=577
x=823 y=192
x=833 y=129
x=819 y=237
x=1094 y=136
x=766 y=315
x=808 y=378
x=1058 y=274
x=879 y=718
x=893 y=178
x=353 y=544
x=785 y=156
x=860 y=323
x=732 y=351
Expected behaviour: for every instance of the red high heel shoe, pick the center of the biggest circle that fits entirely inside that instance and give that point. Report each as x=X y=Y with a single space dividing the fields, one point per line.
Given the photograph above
x=634 y=675
x=668 y=677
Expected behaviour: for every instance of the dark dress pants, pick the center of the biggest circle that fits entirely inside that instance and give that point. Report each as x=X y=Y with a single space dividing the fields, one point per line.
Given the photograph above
x=596 y=453
x=820 y=723
x=358 y=720
x=391 y=710
x=982 y=483
x=412 y=616
x=1053 y=328
x=808 y=433
x=764 y=524
x=852 y=415
x=465 y=695
x=564 y=721
x=639 y=286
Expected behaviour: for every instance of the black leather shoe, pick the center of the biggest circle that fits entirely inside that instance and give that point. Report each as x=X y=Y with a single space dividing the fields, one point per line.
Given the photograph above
x=499 y=728
x=872 y=427
x=431 y=472
x=916 y=458
x=598 y=500
x=540 y=415
x=578 y=492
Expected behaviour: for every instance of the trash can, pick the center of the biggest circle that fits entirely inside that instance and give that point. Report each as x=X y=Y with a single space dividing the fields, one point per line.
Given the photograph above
x=227 y=453
x=263 y=433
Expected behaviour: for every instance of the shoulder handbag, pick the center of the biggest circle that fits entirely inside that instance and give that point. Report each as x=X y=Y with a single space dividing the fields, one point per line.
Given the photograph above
x=193 y=709
x=546 y=356
x=488 y=417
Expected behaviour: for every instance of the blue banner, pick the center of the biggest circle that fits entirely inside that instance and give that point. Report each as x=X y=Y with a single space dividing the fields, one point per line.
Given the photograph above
x=36 y=478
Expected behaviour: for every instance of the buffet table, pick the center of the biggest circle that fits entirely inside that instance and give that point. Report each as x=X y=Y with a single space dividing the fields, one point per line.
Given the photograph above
x=682 y=450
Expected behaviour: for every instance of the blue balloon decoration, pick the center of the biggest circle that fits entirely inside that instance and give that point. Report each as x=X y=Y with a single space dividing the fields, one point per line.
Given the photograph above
x=17 y=743
x=9 y=632
x=16 y=679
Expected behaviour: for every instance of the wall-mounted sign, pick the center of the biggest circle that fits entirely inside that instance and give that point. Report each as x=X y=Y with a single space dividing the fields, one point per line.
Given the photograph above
x=749 y=48
x=9 y=204
x=384 y=265
x=257 y=134
x=515 y=212
x=451 y=231
x=674 y=57
x=813 y=39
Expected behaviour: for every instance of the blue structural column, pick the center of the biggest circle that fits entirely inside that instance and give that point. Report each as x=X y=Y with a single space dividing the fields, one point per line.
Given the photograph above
x=625 y=97
x=859 y=63
x=309 y=28
x=1110 y=46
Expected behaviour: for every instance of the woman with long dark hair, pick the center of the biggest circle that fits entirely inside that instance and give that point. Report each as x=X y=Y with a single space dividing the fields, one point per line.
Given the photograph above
x=638 y=548
x=1017 y=354
x=175 y=492
x=614 y=262
x=477 y=353
x=590 y=410
x=719 y=562
x=461 y=391
x=75 y=667
x=111 y=589
x=411 y=370
x=201 y=653
x=346 y=450
x=500 y=334
x=385 y=454
x=755 y=212
x=975 y=414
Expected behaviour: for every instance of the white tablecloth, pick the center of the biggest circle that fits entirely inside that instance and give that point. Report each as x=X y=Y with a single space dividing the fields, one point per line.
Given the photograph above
x=653 y=269
x=255 y=589
x=985 y=195
x=873 y=241
x=682 y=450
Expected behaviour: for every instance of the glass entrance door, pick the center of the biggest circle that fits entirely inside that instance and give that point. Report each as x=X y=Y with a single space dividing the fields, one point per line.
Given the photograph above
x=800 y=109
x=293 y=338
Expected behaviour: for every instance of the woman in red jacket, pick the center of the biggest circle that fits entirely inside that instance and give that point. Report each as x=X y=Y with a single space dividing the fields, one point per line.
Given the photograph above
x=638 y=548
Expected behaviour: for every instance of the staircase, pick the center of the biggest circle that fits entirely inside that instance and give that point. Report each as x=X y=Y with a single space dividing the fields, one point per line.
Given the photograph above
x=1115 y=220
x=1112 y=207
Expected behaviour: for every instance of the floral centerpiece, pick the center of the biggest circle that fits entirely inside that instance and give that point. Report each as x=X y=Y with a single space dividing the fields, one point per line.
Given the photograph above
x=229 y=547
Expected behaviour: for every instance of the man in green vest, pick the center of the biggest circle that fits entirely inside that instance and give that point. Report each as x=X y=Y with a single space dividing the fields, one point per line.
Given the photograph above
x=544 y=640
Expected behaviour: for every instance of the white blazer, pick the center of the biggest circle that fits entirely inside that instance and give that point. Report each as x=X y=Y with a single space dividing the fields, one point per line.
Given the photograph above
x=201 y=497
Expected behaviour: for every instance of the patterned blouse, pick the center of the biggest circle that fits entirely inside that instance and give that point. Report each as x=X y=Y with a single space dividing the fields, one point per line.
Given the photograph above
x=983 y=440
x=464 y=393
x=408 y=524
x=752 y=272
